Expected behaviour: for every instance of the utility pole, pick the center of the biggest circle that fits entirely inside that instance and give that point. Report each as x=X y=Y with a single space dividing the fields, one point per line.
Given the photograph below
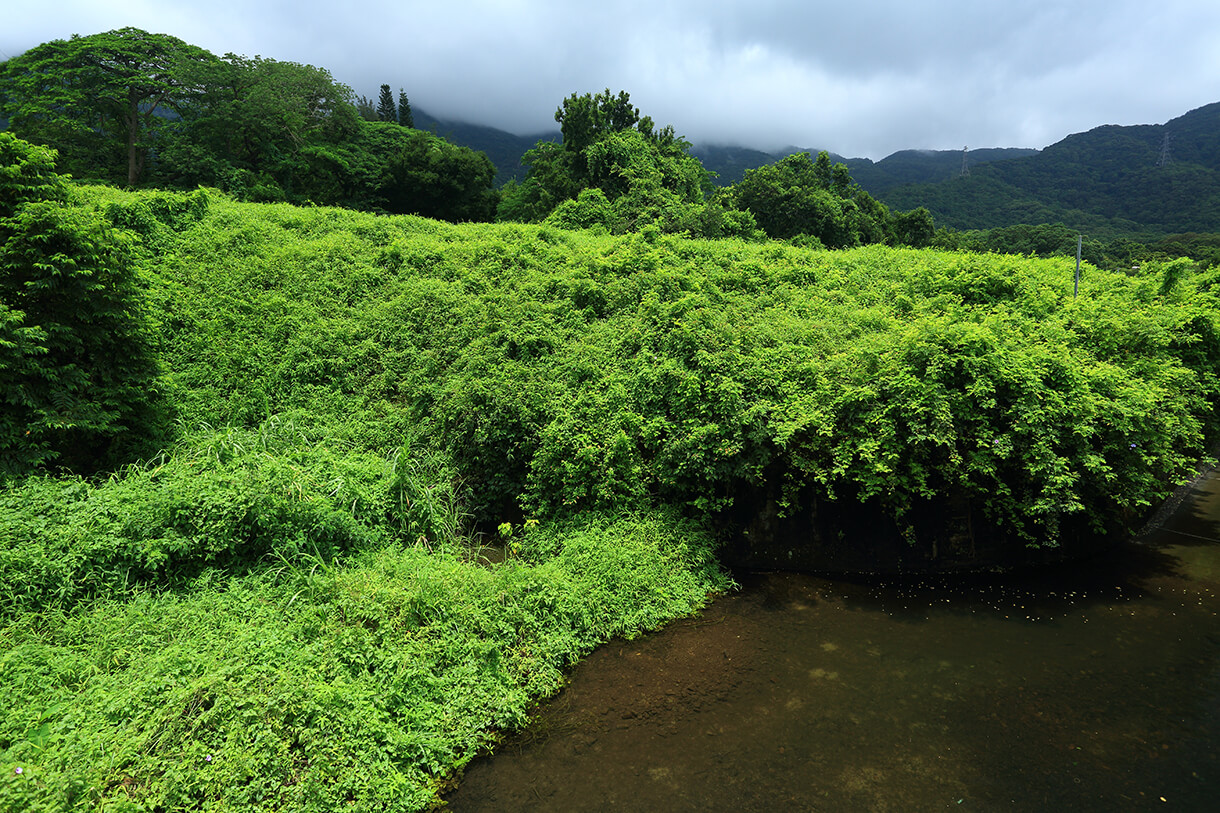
x=1079 y=245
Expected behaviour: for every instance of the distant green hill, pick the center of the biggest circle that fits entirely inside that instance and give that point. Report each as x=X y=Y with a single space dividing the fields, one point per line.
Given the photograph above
x=924 y=166
x=731 y=163
x=1112 y=180
x=876 y=177
x=503 y=148
x=1151 y=179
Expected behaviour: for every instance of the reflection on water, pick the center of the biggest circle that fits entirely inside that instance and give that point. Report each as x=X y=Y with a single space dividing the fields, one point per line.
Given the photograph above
x=1092 y=687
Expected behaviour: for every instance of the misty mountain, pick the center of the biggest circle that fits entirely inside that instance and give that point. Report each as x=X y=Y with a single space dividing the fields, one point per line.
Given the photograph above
x=924 y=166
x=729 y=163
x=1141 y=179
x=503 y=148
x=876 y=177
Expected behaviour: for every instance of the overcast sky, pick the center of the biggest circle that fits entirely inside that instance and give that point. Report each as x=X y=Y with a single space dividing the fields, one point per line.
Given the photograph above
x=861 y=78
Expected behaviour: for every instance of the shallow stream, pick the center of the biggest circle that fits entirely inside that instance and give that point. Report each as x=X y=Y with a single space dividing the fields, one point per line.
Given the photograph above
x=1092 y=687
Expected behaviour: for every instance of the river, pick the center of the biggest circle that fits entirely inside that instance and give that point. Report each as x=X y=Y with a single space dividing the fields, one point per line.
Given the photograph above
x=1089 y=687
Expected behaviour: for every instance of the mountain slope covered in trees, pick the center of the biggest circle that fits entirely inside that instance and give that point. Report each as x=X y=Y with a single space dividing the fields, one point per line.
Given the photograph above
x=1151 y=179
x=1109 y=181
x=505 y=149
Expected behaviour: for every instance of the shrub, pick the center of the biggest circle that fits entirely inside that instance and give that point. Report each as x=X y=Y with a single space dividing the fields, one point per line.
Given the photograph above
x=75 y=351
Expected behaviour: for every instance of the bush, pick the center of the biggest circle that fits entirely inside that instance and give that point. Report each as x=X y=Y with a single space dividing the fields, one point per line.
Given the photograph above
x=75 y=351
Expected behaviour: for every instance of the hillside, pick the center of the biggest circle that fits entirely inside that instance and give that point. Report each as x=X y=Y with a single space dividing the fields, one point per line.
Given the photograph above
x=503 y=148
x=924 y=166
x=1112 y=180
x=1152 y=179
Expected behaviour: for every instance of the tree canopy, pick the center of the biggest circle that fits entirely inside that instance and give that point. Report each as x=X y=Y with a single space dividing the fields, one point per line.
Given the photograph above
x=386 y=111
x=75 y=354
x=641 y=176
x=96 y=98
x=802 y=197
x=131 y=107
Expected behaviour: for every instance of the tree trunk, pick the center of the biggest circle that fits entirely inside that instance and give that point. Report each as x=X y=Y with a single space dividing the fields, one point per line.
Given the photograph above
x=135 y=161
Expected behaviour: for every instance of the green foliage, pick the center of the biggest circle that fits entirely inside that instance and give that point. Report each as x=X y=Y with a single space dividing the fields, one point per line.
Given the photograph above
x=582 y=119
x=27 y=174
x=278 y=131
x=230 y=500
x=151 y=109
x=75 y=351
x=386 y=111
x=1057 y=240
x=645 y=177
x=563 y=371
x=100 y=99
x=801 y=197
x=591 y=209
x=289 y=611
x=1108 y=182
x=309 y=684
x=426 y=175
x=259 y=121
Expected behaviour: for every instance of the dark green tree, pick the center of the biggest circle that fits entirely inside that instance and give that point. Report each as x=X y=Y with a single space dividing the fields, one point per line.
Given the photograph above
x=101 y=100
x=405 y=117
x=793 y=197
x=263 y=129
x=802 y=196
x=423 y=174
x=385 y=105
x=80 y=377
x=585 y=119
x=914 y=228
x=366 y=108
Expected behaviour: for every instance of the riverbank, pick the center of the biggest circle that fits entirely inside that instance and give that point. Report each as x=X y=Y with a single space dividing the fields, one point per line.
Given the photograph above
x=279 y=609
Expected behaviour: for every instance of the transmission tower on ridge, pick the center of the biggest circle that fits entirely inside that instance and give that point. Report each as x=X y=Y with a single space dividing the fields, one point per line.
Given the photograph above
x=1164 y=159
x=965 y=163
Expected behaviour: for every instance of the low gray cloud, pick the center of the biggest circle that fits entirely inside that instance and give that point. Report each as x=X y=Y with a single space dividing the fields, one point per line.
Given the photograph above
x=862 y=78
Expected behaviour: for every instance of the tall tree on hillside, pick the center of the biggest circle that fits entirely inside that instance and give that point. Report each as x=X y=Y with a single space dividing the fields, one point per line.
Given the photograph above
x=385 y=105
x=615 y=169
x=799 y=195
x=366 y=108
x=405 y=118
x=262 y=128
x=101 y=95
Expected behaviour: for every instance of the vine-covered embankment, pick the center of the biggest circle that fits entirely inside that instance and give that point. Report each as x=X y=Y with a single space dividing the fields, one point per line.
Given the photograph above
x=282 y=610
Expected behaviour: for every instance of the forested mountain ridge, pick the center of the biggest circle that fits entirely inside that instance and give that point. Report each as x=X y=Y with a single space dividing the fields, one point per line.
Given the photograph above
x=1110 y=180
x=1151 y=179
x=502 y=147
x=925 y=166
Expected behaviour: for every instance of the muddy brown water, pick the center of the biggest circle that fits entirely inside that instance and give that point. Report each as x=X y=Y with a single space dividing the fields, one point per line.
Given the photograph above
x=1092 y=687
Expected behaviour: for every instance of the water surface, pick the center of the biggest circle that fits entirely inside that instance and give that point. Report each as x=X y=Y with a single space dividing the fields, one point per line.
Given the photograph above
x=1094 y=687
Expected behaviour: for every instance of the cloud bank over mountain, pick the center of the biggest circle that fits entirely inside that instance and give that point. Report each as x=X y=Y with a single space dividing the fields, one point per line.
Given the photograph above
x=862 y=79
